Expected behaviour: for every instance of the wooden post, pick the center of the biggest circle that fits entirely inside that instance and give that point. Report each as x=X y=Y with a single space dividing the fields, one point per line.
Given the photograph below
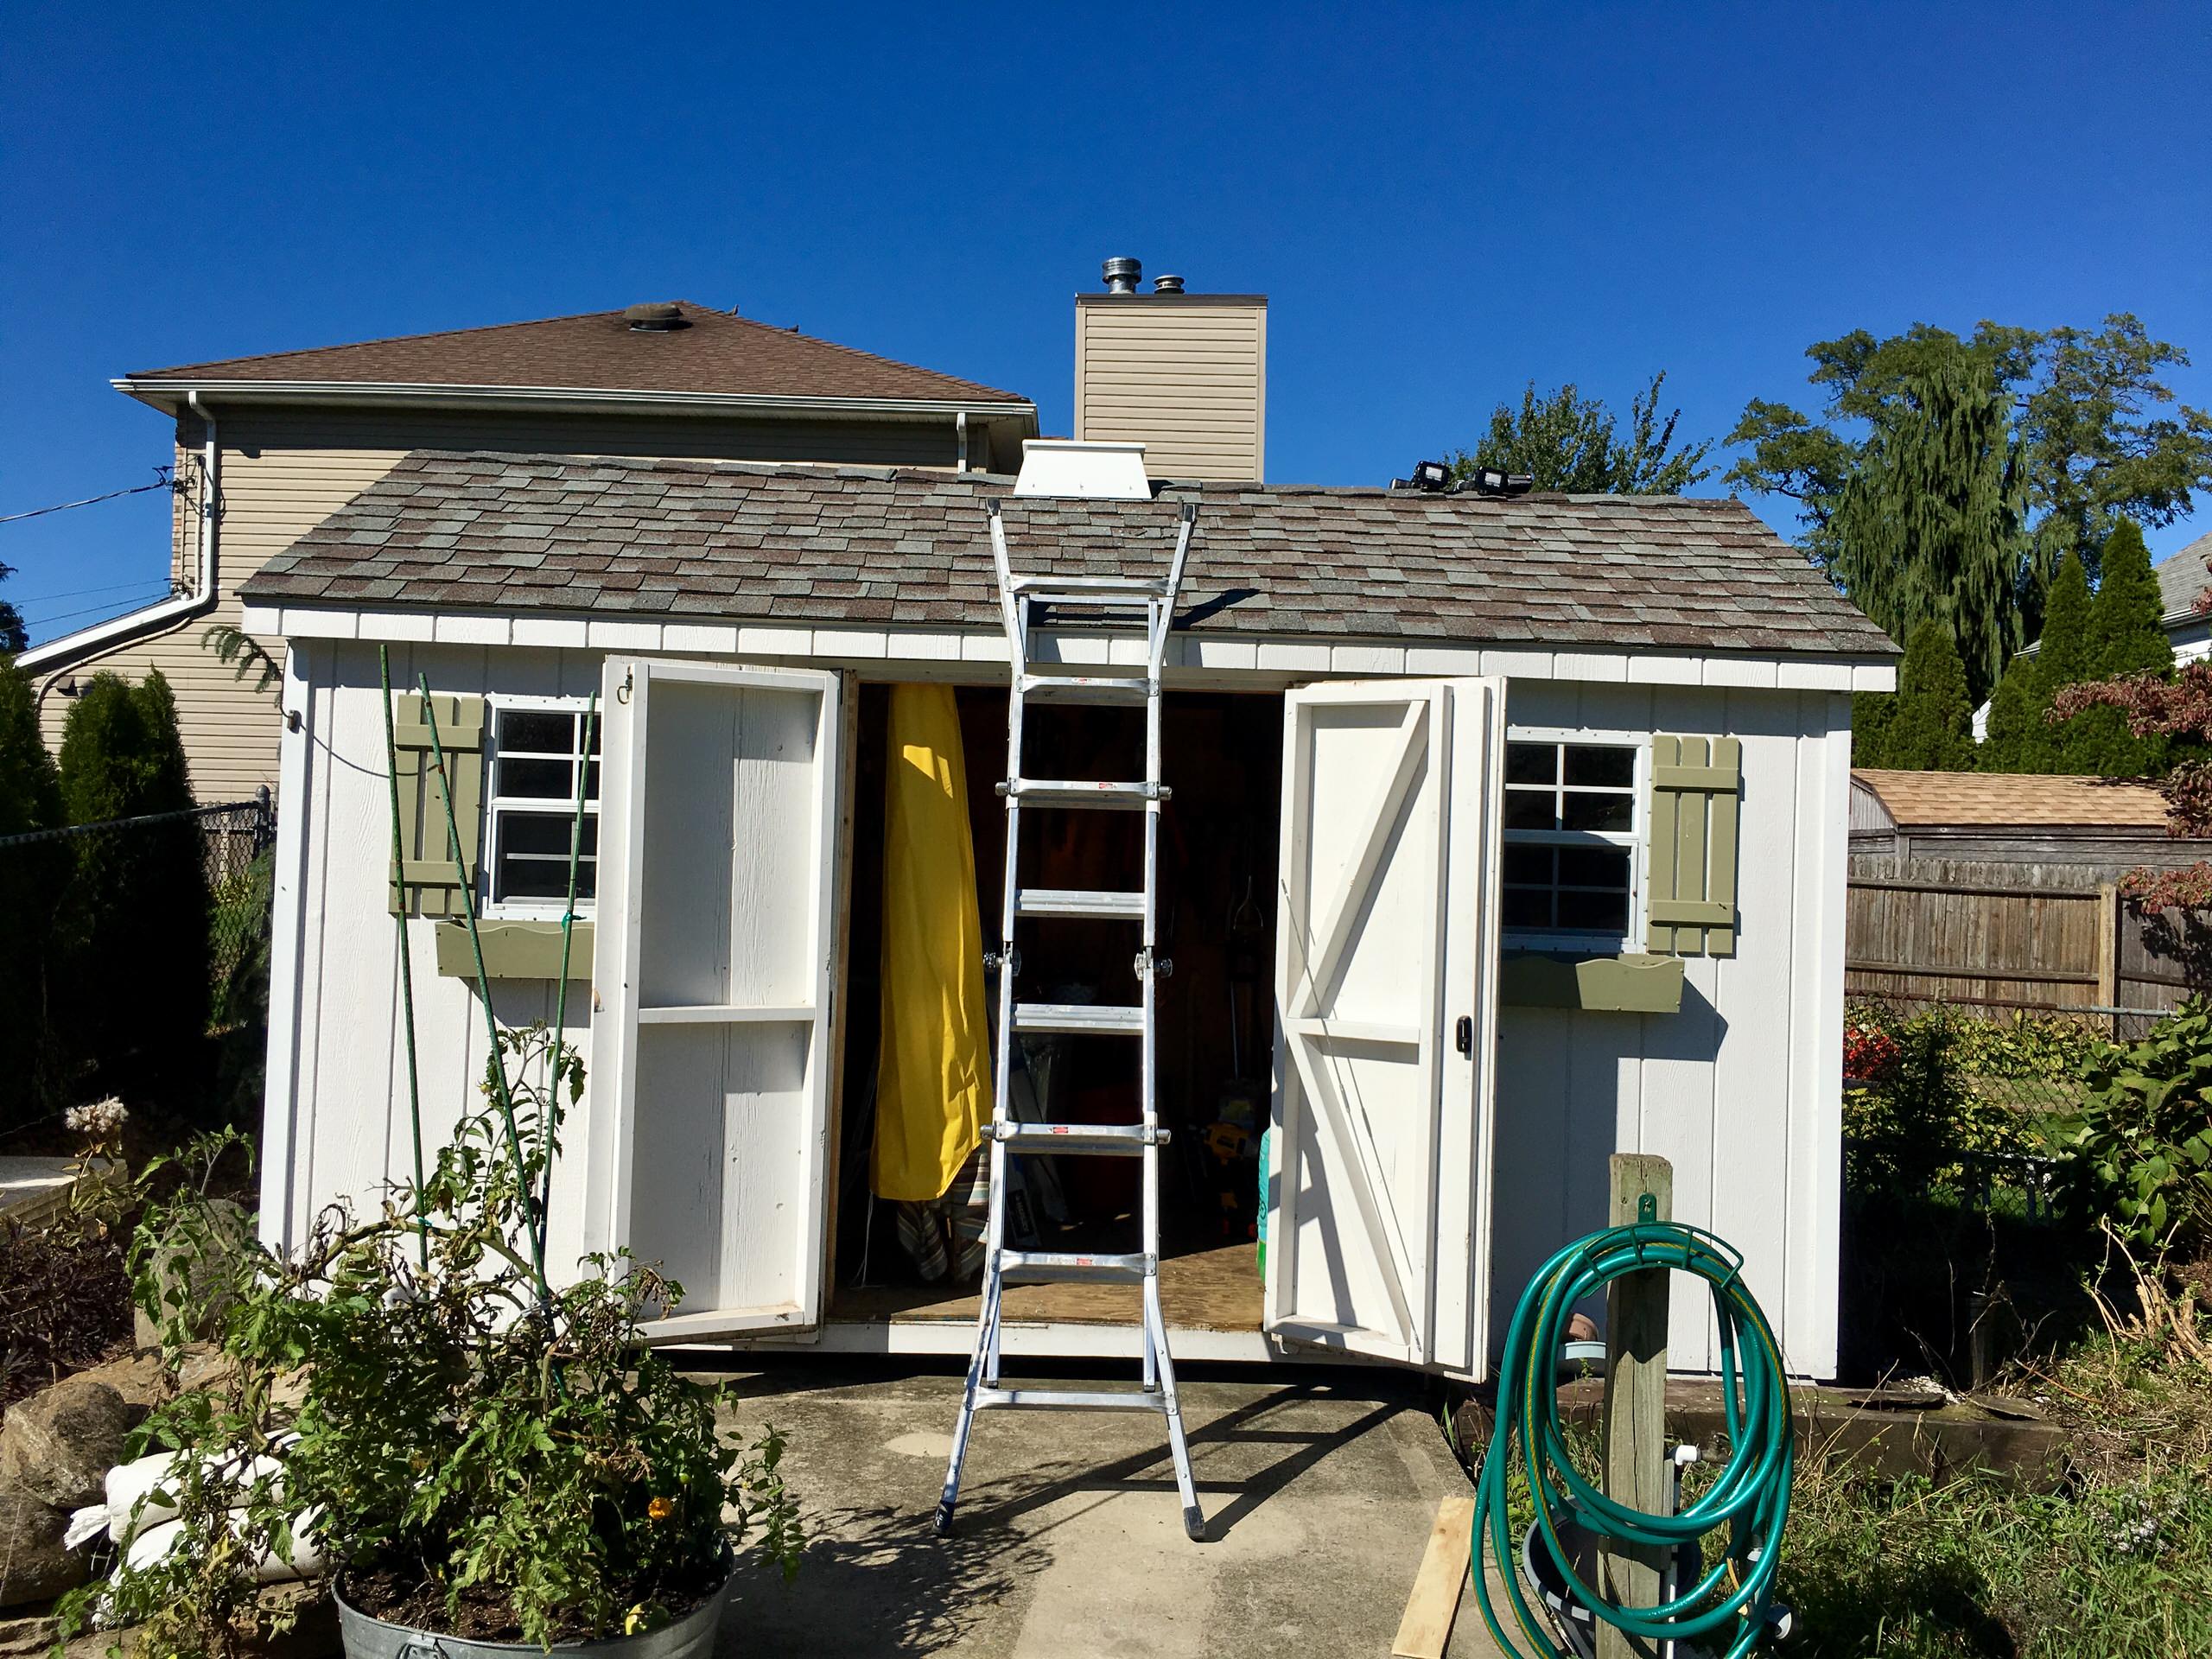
x=2108 y=914
x=1636 y=1396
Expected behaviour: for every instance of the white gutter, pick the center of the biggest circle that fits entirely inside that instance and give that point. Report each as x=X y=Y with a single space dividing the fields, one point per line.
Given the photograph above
x=72 y=649
x=163 y=393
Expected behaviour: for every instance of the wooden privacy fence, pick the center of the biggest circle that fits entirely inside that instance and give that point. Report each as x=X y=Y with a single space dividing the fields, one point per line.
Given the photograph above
x=2002 y=941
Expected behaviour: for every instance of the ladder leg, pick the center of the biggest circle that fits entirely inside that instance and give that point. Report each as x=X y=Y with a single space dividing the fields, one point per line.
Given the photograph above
x=1194 y=1519
x=987 y=1323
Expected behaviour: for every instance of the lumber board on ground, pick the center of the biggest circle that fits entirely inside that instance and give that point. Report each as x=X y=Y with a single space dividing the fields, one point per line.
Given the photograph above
x=1426 y=1626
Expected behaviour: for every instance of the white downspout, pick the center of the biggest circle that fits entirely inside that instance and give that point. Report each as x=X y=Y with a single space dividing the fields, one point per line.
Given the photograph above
x=211 y=487
x=960 y=426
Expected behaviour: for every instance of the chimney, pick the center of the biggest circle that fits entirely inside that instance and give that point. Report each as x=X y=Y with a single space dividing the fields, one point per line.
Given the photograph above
x=1183 y=374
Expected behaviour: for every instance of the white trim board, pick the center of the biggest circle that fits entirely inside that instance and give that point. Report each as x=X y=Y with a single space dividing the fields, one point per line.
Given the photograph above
x=1194 y=660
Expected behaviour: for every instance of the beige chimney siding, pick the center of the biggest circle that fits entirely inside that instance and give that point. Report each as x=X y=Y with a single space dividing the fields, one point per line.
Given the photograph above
x=1184 y=375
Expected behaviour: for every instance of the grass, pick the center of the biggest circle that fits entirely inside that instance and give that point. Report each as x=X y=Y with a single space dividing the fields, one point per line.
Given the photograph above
x=2110 y=1558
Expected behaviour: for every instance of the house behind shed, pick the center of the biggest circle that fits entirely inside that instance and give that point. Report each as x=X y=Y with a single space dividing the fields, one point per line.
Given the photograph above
x=1569 y=777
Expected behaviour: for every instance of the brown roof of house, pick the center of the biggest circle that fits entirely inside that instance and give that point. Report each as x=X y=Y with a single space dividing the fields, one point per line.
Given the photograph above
x=1919 y=800
x=742 y=540
x=716 y=352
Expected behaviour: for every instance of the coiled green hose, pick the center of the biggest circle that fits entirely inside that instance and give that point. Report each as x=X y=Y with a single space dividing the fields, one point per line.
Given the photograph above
x=1750 y=1498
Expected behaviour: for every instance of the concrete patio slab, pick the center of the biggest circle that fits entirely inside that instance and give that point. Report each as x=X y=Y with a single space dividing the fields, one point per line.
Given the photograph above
x=1320 y=1486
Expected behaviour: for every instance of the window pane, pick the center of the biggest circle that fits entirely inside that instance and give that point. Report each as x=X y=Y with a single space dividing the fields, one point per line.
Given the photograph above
x=543 y=731
x=1597 y=912
x=1601 y=767
x=1592 y=867
x=1612 y=814
x=544 y=780
x=1531 y=763
x=1529 y=865
x=1530 y=809
x=545 y=878
x=544 y=833
x=1527 y=908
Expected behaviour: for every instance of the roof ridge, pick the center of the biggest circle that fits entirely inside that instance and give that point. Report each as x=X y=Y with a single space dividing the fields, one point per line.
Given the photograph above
x=795 y=333
x=390 y=340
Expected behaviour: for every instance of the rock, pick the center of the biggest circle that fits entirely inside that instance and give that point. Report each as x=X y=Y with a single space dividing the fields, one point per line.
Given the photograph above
x=34 y=1567
x=58 y=1446
x=140 y=1378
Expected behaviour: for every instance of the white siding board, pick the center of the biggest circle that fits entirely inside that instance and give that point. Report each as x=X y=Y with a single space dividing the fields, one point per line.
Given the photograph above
x=473 y=630
x=1873 y=677
x=609 y=635
x=1367 y=659
x=1518 y=665
x=1804 y=674
x=319 y=625
x=1443 y=659
x=1737 y=671
x=699 y=638
x=1665 y=671
x=852 y=643
x=1599 y=667
x=924 y=647
x=775 y=642
x=1294 y=657
x=565 y=632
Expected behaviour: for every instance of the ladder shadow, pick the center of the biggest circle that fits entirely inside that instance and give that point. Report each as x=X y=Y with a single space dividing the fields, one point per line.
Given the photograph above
x=1152 y=1470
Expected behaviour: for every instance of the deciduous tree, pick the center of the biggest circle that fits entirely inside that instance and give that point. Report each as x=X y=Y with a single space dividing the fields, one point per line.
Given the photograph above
x=1566 y=441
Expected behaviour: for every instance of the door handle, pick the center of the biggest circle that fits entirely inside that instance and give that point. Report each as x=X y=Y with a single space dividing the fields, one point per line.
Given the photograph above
x=1464 y=1035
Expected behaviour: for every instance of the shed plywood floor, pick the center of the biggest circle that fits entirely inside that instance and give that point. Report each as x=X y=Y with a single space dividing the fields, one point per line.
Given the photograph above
x=1209 y=1290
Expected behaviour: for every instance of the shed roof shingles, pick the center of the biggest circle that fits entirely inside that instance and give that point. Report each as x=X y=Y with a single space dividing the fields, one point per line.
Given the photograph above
x=1701 y=577
x=715 y=353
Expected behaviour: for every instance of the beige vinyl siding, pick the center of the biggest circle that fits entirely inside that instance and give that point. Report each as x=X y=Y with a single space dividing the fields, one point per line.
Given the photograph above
x=1186 y=380
x=285 y=471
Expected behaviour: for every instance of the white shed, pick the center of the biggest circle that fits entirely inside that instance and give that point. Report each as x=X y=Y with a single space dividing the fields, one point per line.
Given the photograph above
x=1565 y=779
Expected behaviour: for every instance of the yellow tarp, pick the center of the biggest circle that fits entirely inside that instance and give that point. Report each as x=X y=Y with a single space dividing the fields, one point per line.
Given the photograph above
x=933 y=1090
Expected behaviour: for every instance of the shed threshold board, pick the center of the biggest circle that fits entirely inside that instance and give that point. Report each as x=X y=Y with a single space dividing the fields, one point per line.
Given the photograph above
x=1207 y=1290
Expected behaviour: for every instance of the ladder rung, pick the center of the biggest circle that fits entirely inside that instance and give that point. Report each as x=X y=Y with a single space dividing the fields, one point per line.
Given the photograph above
x=1071 y=1264
x=1041 y=792
x=1104 y=1017
x=1085 y=688
x=1078 y=902
x=1108 y=1140
x=1094 y=587
x=1072 y=1399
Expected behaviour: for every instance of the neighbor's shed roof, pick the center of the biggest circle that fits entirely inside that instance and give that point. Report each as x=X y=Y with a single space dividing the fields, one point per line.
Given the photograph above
x=1936 y=800
x=714 y=353
x=691 y=540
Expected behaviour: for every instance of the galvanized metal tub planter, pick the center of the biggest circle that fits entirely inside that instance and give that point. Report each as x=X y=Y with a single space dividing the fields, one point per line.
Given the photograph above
x=691 y=1636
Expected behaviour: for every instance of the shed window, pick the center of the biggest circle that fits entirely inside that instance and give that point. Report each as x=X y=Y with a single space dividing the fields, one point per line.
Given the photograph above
x=1572 y=823
x=536 y=747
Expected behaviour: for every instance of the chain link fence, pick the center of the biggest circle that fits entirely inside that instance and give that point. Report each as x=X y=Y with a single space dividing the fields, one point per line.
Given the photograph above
x=1955 y=1099
x=146 y=969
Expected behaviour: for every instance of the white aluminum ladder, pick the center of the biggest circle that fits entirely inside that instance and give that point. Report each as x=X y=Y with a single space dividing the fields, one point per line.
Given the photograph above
x=1108 y=599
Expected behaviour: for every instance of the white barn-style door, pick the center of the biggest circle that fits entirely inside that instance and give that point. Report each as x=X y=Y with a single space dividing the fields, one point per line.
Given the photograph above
x=711 y=1022
x=1385 y=984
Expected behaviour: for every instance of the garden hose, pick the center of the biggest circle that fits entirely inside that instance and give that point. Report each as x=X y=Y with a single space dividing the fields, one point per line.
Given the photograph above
x=1751 y=1497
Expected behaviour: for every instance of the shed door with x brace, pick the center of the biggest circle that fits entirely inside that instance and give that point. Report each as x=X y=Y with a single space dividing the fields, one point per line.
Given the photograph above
x=1386 y=997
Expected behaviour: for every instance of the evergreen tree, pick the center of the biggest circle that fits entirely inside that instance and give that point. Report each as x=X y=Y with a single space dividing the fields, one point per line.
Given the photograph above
x=2018 y=741
x=1932 y=727
x=1871 y=715
x=2124 y=637
x=31 y=799
x=134 y=923
x=2062 y=658
x=1928 y=526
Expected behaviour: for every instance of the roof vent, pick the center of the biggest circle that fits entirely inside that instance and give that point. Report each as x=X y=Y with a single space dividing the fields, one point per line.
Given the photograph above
x=1095 y=472
x=1167 y=284
x=655 y=319
x=1121 y=275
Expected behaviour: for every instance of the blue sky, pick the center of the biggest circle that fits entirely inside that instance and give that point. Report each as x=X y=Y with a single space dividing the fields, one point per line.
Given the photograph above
x=1441 y=203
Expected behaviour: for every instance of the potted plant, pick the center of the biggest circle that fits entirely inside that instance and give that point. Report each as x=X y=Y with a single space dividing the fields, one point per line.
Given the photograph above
x=472 y=1456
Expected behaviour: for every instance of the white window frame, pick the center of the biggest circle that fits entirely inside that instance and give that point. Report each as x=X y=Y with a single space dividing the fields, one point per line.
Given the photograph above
x=1636 y=841
x=496 y=804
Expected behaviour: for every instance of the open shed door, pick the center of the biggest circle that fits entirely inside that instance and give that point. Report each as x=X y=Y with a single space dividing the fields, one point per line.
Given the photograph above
x=1378 y=1224
x=711 y=1029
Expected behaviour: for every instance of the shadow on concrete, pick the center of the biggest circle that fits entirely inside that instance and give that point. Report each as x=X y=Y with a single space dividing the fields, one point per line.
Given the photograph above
x=878 y=1581
x=1247 y=1487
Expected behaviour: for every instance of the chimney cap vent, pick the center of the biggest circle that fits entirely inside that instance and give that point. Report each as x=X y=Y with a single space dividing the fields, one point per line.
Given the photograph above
x=1165 y=284
x=1122 y=274
x=656 y=318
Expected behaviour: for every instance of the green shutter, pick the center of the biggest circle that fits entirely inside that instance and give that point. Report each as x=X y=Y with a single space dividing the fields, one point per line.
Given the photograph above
x=1692 y=903
x=425 y=884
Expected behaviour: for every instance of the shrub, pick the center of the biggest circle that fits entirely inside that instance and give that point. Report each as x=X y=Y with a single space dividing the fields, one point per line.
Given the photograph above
x=132 y=928
x=2140 y=1148
x=1912 y=1113
x=31 y=799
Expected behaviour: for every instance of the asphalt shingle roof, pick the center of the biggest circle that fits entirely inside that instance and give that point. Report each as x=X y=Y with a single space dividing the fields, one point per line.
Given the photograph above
x=678 y=539
x=714 y=351
x=1921 y=800
x=2183 y=577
